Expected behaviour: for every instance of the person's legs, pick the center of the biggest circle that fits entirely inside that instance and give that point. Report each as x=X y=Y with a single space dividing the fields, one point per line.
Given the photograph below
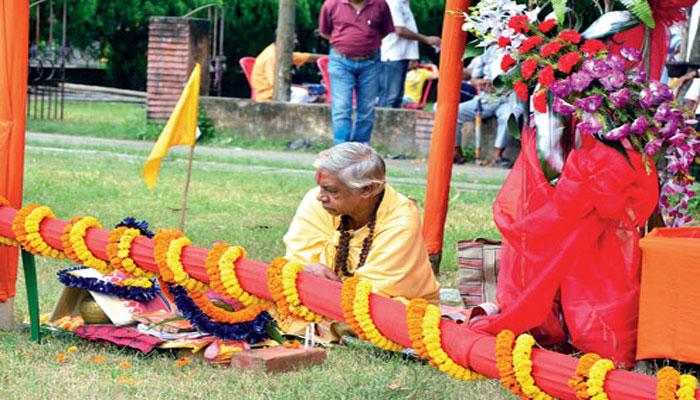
x=367 y=88
x=503 y=138
x=342 y=85
x=393 y=77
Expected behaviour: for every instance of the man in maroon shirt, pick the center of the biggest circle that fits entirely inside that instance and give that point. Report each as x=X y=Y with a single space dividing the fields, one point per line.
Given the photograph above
x=355 y=29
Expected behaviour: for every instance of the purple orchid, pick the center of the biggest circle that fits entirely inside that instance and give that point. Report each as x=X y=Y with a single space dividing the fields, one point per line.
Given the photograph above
x=669 y=129
x=562 y=107
x=646 y=98
x=596 y=68
x=638 y=75
x=615 y=62
x=660 y=91
x=612 y=81
x=639 y=125
x=653 y=147
x=631 y=54
x=590 y=104
x=618 y=133
x=590 y=124
x=620 y=98
x=560 y=88
x=663 y=112
x=580 y=81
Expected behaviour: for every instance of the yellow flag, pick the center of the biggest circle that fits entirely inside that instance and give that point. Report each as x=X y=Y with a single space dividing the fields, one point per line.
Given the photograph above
x=179 y=131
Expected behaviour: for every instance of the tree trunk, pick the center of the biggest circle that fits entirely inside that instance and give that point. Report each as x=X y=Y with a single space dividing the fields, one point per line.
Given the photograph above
x=284 y=45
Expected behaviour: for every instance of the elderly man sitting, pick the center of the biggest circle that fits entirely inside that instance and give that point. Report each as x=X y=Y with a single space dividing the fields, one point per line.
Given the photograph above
x=354 y=223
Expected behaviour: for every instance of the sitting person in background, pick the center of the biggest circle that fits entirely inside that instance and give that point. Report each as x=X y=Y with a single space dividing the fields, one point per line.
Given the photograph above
x=416 y=79
x=692 y=98
x=482 y=71
x=355 y=224
x=263 y=76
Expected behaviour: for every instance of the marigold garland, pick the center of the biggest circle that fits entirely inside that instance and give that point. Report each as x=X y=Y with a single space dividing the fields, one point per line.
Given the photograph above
x=180 y=276
x=26 y=227
x=161 y=242
x=415 y=311
x=504 y=362
x=361 y=311
x=274 y=284
x=667 y=380
x=119 y=252
x=217 y=314
x=578 y=381
x=347 y=297
x=433 y=344
x=6 y=241
x=522 y=364
x=688 y=384
x=596 y=378
x=290 y=273
x=221 y=269
x=75 y=247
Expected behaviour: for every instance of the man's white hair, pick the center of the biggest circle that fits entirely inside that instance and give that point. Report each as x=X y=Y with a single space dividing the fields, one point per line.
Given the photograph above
x=357 y=165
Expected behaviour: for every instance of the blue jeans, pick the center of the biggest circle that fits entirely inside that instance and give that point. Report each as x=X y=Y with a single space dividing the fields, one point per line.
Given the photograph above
x=362 y=78
x=391 y=83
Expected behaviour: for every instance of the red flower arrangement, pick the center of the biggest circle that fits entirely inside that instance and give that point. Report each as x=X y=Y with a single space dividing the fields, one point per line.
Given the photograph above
x=519 y=24
x=527 y=70
x=530 y=43
x=503 y=41
x=568 y=61
x=547 y=25
x=507 y=62
x=570 y=36
x=550 y=49
x=593 y=46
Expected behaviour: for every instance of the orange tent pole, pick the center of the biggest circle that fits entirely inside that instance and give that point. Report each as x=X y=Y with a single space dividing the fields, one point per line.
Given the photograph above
x=443 y=138
x=14 y=62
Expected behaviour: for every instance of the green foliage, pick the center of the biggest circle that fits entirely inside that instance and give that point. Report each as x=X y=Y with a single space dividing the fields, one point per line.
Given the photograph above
x=206 y=126
x=641 y=10
x=559 y=7
x=120 y=30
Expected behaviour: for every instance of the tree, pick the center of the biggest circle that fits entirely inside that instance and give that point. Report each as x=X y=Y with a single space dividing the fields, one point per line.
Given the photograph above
x=284 y=46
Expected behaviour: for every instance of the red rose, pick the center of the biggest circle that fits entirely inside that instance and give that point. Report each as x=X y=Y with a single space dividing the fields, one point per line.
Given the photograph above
x=507 y=62
x=528 y=69
x=567 y=61
x=530 y=43
x=546 y=76
x=519 y=23
x=550 y=49
x=540 y=101
x=503 y=41
x=547 y=25
x=570 y=36
x=593 y=46
x=521 y=90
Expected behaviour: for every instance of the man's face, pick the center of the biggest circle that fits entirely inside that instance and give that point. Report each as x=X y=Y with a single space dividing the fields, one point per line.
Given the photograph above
x=335 y=197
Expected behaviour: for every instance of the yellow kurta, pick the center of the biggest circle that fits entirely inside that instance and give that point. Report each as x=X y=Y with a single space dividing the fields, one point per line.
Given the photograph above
x=397 y=264
x=263 y=75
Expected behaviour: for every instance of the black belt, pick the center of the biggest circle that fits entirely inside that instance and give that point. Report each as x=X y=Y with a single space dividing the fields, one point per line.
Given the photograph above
x=358 y=58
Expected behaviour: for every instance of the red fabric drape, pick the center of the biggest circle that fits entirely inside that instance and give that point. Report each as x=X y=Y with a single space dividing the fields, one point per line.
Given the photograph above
x=443 y=139
x=577 y=242
x=14 y=60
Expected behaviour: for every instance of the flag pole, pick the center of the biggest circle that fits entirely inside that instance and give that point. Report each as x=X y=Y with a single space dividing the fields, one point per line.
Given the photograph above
x=183 y=208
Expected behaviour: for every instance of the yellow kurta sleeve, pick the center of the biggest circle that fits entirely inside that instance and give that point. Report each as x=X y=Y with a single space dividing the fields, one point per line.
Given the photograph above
x=299 y=58
x=311 y=235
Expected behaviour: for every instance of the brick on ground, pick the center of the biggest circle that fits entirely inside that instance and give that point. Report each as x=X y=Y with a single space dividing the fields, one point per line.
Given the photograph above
x=278 y=359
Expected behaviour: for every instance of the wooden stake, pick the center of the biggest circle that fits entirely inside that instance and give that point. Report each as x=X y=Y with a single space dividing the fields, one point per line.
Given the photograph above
x=183 y=208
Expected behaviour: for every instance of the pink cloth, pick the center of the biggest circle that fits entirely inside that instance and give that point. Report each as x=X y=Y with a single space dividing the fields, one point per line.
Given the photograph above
x=128 y=337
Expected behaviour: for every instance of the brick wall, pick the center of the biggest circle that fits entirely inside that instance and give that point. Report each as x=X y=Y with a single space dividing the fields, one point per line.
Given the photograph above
x=174 y=46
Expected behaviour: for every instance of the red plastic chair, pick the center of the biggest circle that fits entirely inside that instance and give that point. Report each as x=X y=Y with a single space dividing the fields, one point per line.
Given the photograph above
x=426 y=92
x=322 y=64
x=247 y=64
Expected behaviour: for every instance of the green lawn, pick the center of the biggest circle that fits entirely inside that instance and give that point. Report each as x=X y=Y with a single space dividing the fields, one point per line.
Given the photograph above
x=246 y=207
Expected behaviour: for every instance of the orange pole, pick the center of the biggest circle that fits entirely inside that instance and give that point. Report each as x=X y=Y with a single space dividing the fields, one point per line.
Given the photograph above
x=14 y=62
x=443 y=139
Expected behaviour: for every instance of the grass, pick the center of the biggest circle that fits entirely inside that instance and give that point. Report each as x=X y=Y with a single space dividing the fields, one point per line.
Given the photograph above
x=244 y=207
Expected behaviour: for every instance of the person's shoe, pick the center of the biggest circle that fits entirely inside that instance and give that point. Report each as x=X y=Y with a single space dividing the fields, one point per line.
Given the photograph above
x=503 y=163
x=459 y=156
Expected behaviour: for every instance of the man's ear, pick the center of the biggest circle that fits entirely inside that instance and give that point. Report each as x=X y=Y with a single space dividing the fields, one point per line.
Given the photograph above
x=368 y=191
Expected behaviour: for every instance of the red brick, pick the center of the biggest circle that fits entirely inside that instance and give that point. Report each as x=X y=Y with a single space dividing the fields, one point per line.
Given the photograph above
x=278 y=359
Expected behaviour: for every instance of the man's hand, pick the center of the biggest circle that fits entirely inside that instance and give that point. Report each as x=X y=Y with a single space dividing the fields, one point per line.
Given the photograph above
x=432 y=41
x=321 y=271
x=484 y=85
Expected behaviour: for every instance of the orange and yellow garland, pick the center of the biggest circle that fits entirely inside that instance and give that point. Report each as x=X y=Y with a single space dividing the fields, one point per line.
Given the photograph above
x=596 y=378
x=504 y=362
x=290 y=273
x=433 y=344
x=415 y=311
x=671 y=385
x=688 y=384
x=347 y=297
x=361 y=311
x=26 y=227
x=522 y=364
x=6 y=241
x=578 y=382
x=119 y=253
x=76 y=249
x=221 y=269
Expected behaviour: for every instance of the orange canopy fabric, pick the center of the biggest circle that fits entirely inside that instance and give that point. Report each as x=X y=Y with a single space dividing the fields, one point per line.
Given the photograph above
x=14 y=62
x=443 y=139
